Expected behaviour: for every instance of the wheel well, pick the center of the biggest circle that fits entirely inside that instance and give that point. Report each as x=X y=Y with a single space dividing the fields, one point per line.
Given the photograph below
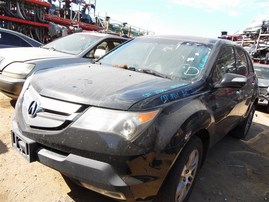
x=204 y=136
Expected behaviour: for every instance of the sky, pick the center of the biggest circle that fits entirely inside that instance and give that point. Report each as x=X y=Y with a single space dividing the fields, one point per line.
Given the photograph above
x=185 y=17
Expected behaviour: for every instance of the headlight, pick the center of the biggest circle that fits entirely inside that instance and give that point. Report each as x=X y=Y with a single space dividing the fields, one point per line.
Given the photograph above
x=18 y=70
x=126 y=124
x=268 y=89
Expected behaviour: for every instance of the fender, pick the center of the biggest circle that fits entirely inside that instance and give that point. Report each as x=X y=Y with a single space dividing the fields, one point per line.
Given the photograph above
x=179 y=121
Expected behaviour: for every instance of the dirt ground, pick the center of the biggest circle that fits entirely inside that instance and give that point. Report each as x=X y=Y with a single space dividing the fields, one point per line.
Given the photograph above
x=234 y=170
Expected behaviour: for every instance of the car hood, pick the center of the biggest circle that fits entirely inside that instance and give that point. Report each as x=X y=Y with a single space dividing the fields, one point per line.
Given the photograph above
x=263 y=82
x=101 y=86
x=9 y=55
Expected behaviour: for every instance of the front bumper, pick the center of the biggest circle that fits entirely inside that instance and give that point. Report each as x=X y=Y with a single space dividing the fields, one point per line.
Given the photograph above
x=95 y=174
x=11 y=86
x=92 y=174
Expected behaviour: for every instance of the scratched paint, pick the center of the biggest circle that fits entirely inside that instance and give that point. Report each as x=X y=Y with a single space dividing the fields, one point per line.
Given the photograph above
x=176 y=95
x=159 y=91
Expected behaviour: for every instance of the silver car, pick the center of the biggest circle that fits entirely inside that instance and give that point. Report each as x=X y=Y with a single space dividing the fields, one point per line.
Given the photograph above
x=262 y=72
x=16 y=64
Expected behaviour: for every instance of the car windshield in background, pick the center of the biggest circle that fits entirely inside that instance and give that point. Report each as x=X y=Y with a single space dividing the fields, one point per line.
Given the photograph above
x=73 y=44
x=262 y=72
x=172 y=58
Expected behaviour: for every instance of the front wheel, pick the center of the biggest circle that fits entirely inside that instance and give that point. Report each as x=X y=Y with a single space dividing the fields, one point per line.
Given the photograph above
x=180 y=181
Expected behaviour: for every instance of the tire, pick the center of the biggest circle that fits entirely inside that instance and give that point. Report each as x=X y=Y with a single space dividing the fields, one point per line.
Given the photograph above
x=180 y=181
x=242 y=129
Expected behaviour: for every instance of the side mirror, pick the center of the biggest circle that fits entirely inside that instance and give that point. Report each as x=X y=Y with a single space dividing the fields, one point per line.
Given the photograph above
x=99 y=53
x=231 y=80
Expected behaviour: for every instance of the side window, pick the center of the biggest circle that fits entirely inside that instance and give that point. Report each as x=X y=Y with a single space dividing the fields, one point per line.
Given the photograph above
x=105 y=45
x=9 y=39
x=225 y=63
x=5 y=39
x=241 y=62
x=101 y=46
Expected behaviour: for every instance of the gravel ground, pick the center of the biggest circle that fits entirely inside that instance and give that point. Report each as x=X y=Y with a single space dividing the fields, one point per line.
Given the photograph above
x=235 y=170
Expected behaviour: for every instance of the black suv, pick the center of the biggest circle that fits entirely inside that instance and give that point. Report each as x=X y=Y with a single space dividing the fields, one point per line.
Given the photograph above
x=140 y=121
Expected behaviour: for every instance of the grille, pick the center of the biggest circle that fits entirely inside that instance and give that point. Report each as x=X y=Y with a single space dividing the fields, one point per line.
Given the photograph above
x=49 y=114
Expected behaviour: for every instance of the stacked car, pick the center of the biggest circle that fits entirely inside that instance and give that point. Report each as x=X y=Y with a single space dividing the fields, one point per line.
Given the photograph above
x=46 y=20
x=262 y=72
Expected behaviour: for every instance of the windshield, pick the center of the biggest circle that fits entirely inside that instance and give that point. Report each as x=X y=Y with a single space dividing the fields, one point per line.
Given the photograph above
x=173 y=58
x=73 y=43
x=262 y=72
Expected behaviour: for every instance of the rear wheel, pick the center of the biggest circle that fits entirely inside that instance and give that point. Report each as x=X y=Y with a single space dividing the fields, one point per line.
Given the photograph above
x=242 y=129
x=180 y=181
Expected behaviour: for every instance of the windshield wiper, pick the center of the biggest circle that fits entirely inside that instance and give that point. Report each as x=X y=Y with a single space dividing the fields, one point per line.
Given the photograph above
x=147 y=71
x=155 y=73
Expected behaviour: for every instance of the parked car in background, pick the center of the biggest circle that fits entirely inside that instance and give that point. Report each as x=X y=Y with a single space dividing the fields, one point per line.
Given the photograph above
x=262 y=72
x=139 y=122
x=19 y=63
x=261 y=55
x=255 y=27
x=250 y=49
x=9 y=38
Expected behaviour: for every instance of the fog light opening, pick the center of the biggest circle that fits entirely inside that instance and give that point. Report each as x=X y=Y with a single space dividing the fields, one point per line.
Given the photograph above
x=111 y=194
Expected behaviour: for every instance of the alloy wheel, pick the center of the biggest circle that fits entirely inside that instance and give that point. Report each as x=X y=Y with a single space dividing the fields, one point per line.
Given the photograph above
x=187 y=176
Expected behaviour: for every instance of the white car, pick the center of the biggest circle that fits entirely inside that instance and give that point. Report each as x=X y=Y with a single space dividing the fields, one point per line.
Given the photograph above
x=16 y=64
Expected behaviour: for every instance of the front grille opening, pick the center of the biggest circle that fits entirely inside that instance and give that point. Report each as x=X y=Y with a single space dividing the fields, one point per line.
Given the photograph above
x=55 y=112
x=81 y=109
x=61 y=127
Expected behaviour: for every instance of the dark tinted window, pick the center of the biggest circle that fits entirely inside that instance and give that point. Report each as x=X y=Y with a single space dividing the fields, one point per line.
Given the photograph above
x=225 y=64
x=13 y=40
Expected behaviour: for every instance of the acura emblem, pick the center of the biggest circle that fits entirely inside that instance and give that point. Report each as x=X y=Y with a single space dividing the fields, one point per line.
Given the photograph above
x=34 y=108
